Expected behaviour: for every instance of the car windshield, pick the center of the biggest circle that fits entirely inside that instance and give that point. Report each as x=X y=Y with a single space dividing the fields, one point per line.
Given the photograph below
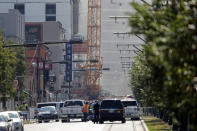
x=129 y=103
x=13 y=115
x=46 y=104
x=44 y=109
x=2 y=118
x=111 y=104
x=73 y=103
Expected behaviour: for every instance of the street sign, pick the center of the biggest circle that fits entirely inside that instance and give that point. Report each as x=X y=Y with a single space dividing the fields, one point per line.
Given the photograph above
x=47 y=66
x=68 y=57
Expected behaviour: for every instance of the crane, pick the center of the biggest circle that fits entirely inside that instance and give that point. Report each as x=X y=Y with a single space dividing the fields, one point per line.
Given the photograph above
x=93 y=65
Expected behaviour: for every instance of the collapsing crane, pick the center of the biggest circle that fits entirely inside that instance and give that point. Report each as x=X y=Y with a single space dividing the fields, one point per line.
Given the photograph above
x=93 y=65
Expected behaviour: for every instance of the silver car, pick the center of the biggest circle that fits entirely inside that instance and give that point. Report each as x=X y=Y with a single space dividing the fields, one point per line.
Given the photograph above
x=17 y=122
x=131 y=108
x=8 y=120
x=3 y=124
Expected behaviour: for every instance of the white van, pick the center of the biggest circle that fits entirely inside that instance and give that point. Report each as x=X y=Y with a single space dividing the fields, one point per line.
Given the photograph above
x=131 y=108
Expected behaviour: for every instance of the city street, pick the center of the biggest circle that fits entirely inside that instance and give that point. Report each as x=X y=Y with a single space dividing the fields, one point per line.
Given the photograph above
x=76 y=125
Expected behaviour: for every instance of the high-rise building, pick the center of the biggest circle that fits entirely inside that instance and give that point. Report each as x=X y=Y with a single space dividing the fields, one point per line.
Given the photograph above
x=12 y=25
x=43 y=10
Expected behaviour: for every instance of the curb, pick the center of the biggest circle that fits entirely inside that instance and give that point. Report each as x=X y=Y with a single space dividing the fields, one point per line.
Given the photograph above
x=29 y=122
x=144 y=126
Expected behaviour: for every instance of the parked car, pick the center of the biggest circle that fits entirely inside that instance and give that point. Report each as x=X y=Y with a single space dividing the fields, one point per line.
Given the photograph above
x=72 y=109
x=131 y=108
x=57 y=105
x=112 y=110
x=8 y=120
x=4 y=126
x=17 y=122
x=47 y=113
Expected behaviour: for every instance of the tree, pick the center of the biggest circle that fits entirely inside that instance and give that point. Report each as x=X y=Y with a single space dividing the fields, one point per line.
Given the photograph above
x=12 y=66
x=8 y=62
x=170 y=53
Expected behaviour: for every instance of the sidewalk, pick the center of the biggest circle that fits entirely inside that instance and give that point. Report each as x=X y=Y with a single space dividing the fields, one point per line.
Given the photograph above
x=144 y=125
x=156 y=124
x=31 y=121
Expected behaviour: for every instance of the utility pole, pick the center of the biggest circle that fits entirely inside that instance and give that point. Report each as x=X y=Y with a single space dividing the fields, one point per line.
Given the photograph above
x=44 y=81
x=38 y=60
x=38 y=74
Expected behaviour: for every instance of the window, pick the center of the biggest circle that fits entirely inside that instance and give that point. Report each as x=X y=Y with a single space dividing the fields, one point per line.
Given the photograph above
x=50 y=12
x=111 y=104
x=129 y=103
x=50 y=18
x=50 y=9
x=20 y=8
x=73 y=103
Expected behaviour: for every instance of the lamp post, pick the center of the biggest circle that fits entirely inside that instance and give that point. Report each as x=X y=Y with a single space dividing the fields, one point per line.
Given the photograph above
x=38 y=75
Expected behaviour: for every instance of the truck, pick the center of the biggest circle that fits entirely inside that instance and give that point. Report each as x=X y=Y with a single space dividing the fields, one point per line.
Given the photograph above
x=72 y=109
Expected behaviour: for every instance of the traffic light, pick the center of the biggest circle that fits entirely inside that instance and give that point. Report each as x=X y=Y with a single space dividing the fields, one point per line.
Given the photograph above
x=51 y=89
x=46 y=75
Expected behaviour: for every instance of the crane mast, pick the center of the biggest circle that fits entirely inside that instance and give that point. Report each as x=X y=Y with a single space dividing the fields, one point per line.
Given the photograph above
x=93 y=64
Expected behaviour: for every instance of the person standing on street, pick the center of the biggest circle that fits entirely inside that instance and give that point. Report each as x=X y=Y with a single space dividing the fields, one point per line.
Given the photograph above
x=85 y=111
x=96 y=111
x=25 y=110
x=17 y=108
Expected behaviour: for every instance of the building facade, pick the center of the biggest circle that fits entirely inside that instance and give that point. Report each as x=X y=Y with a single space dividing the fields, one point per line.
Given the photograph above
x=78 y=90
x=42 y=11
x=12 y=26
x=47 y=11
x=44 y=32
x=53 y=31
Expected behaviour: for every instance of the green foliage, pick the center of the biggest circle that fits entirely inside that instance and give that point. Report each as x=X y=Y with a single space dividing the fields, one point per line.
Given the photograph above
x=164 y=75
x=12 y=65
x=7 y=68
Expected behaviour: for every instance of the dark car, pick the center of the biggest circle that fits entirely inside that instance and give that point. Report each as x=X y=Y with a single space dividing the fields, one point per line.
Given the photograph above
x=112 y=110
x=57 y=105
x=48 y=113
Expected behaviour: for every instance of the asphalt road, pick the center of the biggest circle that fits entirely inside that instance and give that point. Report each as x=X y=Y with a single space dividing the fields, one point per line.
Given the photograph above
x=77 y=125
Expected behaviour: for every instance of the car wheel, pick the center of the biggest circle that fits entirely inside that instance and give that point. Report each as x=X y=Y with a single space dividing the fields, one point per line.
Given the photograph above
x=57 y=120
x=101 y=122
x=63 y=121
x=39 y=121
x=22 y=129
x=123 y=121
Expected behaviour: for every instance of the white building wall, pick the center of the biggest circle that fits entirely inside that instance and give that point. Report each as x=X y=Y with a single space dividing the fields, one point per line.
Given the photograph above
x=63 y=14
x=35 y=12
x=4 y=7
x=83 y=13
